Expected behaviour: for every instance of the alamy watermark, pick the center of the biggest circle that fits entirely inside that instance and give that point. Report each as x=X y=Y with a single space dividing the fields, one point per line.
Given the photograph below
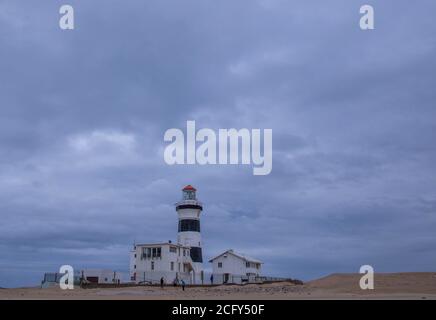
x=367 y=20
x=66 y=21
x=67 y=280
x=205 y=146
x=367 y=280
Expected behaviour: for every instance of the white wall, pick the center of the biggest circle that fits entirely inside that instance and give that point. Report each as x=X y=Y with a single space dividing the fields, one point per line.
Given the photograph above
x=189 y=213
x=230 y=264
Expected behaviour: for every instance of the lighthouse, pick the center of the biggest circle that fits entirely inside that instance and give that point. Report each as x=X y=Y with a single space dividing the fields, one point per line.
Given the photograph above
x=189 y=210
x=171 y=262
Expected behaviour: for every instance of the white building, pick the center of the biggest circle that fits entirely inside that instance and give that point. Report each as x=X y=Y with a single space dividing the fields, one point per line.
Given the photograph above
x=150 y=262
x=173 y=261
x=233 y=267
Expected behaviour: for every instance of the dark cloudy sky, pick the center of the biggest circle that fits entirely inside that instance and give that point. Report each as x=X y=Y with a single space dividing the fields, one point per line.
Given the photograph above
x=83 y=114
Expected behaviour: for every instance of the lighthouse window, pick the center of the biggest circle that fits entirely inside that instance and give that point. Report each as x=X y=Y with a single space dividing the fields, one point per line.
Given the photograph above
x=189 y=225
x=188 y=195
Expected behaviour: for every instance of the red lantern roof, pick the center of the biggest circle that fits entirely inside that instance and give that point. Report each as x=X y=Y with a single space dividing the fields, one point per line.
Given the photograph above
x=189 y=188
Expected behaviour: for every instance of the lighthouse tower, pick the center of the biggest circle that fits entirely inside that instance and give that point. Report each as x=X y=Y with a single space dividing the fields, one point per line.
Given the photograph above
x=189 y=210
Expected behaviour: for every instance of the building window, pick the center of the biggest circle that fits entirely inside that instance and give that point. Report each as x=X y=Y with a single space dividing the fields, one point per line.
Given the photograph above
x=179 y=266
x=247 y=264
x=220 y=264
x=172 y=266
x=152 y=265
x=135 y=255
x=156 y=252
x=134 y=267
x=184 y=252
x=173 y=249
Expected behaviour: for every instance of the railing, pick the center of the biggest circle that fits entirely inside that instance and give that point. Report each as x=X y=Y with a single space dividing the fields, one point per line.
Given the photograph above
x=261 y=278
x=193 y=202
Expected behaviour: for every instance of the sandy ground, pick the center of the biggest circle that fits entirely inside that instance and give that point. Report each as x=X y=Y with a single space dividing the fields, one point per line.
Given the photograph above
x=336 y=286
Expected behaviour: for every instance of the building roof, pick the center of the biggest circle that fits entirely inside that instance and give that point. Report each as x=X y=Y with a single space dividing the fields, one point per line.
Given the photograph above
x=189 y=188
x=239 y=255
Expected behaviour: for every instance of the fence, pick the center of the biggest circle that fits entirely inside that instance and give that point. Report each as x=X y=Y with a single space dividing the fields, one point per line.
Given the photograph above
x=239 y=279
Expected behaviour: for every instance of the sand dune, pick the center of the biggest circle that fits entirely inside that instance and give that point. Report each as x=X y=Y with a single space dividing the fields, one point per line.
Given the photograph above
x=335 y=286
x=386 y=283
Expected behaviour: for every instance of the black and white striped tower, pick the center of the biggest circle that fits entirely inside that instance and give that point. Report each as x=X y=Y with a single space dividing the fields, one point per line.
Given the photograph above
x=189 y=210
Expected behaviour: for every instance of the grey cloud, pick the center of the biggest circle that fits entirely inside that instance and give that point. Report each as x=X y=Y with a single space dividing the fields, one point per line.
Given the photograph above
x=82 y=117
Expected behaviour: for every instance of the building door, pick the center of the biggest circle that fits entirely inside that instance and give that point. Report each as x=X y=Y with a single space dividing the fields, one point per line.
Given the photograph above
x=226 y=277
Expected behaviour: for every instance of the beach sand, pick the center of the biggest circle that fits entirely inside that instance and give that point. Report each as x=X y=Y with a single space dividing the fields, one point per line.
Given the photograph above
x=336 y=286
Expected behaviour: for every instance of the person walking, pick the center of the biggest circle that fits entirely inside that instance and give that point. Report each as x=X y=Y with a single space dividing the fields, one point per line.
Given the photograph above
x=161 y=282
x=211 y=279
x=183 y=285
